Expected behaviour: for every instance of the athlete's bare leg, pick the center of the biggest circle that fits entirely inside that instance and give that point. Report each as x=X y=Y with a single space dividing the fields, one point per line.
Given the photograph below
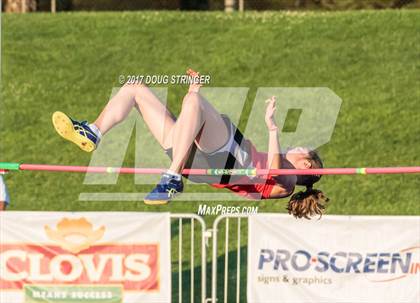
x=197 y=117
x=156 y=116
x=198 y=121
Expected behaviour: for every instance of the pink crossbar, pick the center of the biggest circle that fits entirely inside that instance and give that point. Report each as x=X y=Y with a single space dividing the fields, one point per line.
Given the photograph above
x=154 y=171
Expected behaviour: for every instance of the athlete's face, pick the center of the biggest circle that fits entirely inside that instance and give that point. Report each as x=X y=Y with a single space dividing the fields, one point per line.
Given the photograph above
x=299 y=157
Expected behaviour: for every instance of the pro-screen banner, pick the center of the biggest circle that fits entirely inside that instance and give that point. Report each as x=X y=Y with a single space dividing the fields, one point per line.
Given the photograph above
x=99 y=257
x=334 y=259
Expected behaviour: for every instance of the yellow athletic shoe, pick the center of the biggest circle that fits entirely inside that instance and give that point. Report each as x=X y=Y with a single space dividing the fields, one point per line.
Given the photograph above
x=74 y=131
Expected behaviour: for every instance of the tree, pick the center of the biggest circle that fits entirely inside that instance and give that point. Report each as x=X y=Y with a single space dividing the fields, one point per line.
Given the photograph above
x=401 y=3
x=194 y=4
x=19 y=6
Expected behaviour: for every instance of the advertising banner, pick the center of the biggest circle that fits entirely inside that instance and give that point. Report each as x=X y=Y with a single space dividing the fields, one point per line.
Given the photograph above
x=96 y=257
x=335 y=259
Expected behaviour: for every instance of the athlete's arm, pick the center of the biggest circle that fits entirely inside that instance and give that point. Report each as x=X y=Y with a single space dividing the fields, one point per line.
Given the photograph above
x=274 y=157
x=286 y=185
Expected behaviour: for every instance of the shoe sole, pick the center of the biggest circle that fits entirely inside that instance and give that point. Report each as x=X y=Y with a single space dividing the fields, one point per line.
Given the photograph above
x=155 y=202
x=64 y=128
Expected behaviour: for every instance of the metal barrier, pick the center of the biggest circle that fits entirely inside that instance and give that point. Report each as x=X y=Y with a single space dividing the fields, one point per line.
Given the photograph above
x=183 y=219
x=231 y=230
x=215 y=231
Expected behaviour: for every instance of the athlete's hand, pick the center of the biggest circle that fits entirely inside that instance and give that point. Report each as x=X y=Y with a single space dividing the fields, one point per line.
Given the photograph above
x=195 y=86
x=269 y=113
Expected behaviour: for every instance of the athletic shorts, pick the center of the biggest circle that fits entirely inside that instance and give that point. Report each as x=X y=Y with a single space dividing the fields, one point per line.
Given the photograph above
x=235 y=154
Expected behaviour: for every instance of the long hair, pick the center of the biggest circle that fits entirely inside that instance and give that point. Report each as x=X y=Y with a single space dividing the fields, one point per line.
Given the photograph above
x=311 y=202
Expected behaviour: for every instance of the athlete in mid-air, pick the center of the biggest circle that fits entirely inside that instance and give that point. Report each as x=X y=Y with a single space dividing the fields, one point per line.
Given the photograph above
x=201 y=137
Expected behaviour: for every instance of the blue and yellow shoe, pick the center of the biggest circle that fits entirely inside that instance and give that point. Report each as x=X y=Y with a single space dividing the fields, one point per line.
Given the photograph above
x=74 y=131
x=165 y=191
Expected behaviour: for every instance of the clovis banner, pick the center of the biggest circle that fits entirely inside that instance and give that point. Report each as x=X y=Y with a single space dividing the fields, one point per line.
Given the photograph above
x=335 y=259
x=99 y=257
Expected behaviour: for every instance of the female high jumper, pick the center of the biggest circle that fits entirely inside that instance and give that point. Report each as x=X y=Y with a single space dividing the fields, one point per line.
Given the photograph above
x=201 y=137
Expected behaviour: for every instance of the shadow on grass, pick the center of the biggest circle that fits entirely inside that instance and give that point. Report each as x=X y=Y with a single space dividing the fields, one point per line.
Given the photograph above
x=230 y=286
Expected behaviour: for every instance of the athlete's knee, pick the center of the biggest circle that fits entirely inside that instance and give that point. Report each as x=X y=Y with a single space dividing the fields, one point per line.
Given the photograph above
x=192 y=99
x=133 y=88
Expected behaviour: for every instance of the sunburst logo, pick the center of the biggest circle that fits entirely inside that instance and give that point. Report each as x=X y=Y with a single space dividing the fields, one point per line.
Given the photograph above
x=74 y=235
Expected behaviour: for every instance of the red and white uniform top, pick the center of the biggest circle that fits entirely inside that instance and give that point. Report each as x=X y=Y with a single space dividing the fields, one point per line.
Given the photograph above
x=255 y=188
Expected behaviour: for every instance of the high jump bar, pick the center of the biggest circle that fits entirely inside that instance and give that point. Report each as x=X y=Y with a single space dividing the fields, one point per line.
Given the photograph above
x=6 y=166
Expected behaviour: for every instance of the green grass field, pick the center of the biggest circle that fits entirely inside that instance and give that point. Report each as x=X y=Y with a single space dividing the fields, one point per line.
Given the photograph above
x=70 y=62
